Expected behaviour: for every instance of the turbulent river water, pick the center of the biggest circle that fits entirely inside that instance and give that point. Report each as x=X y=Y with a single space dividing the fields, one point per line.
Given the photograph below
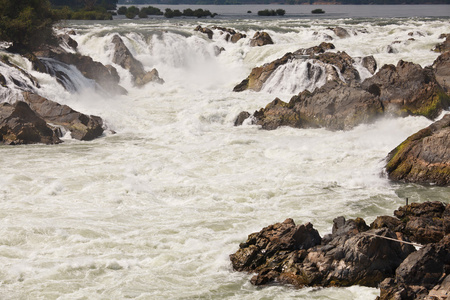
x=154 y=210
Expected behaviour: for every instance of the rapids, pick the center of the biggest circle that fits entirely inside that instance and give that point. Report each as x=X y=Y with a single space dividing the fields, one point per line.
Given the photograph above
x=154 y=210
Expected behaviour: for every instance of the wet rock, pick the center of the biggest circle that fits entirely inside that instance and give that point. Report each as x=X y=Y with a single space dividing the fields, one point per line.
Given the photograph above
x=337 y=65
x=445 y=45
x=67 y=41
x=341 y=32
x=236 y=37
x=441 y=67
x=19 y=124
x=422 y=275
x=408 y=89
x=205 y=30
x=123 y=57
x=261 y=39
x=350 y=256
x=333 y=106
x=81 y=126
x=241 y=118
x=370 y=64
x=424 y=157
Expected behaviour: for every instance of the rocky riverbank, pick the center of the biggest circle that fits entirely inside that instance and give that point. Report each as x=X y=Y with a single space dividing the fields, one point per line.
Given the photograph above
x=380 y=255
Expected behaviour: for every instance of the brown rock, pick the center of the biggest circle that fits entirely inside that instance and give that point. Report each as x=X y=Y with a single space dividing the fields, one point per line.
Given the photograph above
x=261 y=39
x=424 y=157
x=20 y=125
x=206 y=31
x=441 y=67
x=82 y=127
x=123 y=57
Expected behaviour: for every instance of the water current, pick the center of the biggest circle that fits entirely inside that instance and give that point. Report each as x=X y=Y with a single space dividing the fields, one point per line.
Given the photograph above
x=154 y=210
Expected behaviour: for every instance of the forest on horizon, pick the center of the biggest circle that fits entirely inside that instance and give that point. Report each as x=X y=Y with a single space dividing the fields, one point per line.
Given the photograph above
x=288 y=2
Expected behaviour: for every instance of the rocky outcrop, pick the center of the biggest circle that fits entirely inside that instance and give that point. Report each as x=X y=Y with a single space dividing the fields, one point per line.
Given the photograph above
x=408 y=89
x=424 y=157
x=123 y=57
x=441 y=68
x=337 y=66
x=445 y=45
x=67 y=41
x=205 y=30
x=261 y=39
x=340 y=32
x=422 y=275
x=81 y=126
x=353 y=254
x=230 y=34
x=405 y=89
x=296 y=255
x=21 y=125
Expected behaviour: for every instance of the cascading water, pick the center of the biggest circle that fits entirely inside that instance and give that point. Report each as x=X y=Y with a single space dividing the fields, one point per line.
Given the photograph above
x=153 y=211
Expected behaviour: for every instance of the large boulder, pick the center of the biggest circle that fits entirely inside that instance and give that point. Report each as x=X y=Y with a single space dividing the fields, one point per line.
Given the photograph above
x=261 y=39
x=423 y=157
x=123 y=57
x=337 y=67
x=205 y=30
x=81 y=126
x=21 y=125
x=408 y=89
x=334 y=106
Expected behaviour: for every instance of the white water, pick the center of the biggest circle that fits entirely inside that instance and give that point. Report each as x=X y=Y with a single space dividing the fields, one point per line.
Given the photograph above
x=153 y=211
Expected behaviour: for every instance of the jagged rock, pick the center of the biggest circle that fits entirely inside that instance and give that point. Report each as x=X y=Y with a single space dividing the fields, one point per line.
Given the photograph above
x=81 y=126
x=236 y=37
x=424 y=157
x=241 y=118
x=206 y=31
x=441 y=67
x=445 y=45
x=261 y=39
x=103 y=76
x=331 y=62
x=421 y=275
x=123 y=57
x=66 y=40
x=334 y=106
x=20 y=125
x=350 y=256
x=369 y=63
x=408 y=89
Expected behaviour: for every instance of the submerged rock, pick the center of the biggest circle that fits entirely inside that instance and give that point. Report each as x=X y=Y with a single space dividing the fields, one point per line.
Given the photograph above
x=123 y=57
x=81 y=126
x=424 y=157
x=19 y=124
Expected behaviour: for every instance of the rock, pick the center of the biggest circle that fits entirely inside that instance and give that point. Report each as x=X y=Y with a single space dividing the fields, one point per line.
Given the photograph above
x=206 y=31
x=370 y=64
x=67 y=41
x=20 y=125
x=81 y=126
x=123 y=57
x=424 y=157
x=352 y=255
x=423 y=273
x=445 y=45
x=104 y=76
x=261 y=39
x=333 y=106
x=341 y=32
x=441 y=68
x=236 y=37
x=408 y=89
x=241 y=118
x=331 y=62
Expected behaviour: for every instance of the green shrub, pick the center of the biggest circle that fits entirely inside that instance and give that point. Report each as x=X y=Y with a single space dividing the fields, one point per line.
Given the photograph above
x=280 y=12
x=122 y=10
x=318 y=11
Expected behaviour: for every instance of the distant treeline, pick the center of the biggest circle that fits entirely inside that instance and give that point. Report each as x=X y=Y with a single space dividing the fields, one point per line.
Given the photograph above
x=291 y=2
